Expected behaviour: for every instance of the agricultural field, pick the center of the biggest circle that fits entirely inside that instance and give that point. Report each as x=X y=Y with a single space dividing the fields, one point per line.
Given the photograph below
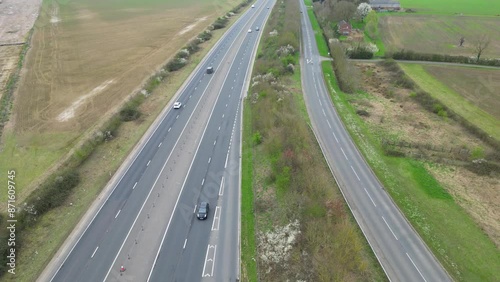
x=452 y=7
x=478 y=86
x=86 y=58
x=440 y=34
x=16 y=19
x=477 y=102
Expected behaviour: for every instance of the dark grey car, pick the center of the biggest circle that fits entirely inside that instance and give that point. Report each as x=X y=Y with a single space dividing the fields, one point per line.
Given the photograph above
x=202 y=212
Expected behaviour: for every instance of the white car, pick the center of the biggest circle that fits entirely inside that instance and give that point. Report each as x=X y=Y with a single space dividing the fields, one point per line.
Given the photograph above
x=250 y=30
x=253 y=6
x=177 y=105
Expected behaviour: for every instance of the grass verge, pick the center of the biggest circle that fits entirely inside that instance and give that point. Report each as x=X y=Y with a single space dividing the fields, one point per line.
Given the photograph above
x=248 y=247
x=454 y=101
x=458 y=243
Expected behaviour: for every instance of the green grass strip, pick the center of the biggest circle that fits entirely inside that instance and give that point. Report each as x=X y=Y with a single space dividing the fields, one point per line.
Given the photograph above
x=454 y=101
x=248 y=247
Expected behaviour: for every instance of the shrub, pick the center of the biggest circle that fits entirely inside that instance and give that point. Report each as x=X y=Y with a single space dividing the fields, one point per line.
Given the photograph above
x=347 y=75
x=176 y=64
x=221 y=22
x=257 y=138
x=51 y=194
x=360 y=52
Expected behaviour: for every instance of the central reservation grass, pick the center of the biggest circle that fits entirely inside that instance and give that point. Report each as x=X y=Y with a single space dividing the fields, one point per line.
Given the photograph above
x=454 y=101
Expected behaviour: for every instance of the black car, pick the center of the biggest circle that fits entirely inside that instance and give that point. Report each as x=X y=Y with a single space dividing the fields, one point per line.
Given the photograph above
x=210 y=70
x=202 y=212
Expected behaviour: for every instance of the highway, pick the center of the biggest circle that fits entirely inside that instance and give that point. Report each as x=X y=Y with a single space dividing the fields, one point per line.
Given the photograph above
x=398 y=248
x=146 y=229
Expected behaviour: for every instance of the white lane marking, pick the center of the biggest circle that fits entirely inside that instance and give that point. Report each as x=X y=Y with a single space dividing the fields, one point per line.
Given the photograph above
x=370 y=197
x=159 y=145
x=344 y=153
x=222 y=115
x=177 y=117
x=196 y=88
x=329 y=124
x=194 y=211
x=216 y=222
x=335 y=137
x=215 y=142
x=227 y=157
x=148 y=163
x=221 y=189
x=209 y=260
x=226 y=105
x=117 y=213
x=94 y=252
x=324 y=112
x=355 y=173
x=169 y=129
x=185 y=241
x=219 y=128
x=389 y=228
x=134 y=186
x=321 y=104
x=209 y=159
x=416 y=267
x=203 y=181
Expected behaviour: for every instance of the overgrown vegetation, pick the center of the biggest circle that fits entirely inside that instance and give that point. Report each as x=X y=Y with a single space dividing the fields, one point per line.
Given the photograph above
x=6 y=100
x=415 y=56
x=347 y=75
x=303 y=228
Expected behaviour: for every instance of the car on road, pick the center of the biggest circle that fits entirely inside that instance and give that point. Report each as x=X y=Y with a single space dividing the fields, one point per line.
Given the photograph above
x=250 y=30
x=256 y=28
x=253 y=6
x=210 y=70
x=177 y=105
x=202 y=212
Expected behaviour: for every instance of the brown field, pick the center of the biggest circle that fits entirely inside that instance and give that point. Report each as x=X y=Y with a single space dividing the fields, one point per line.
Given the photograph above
x=16 y=19
x=85 y=59
x=440 y=34
x=479 y=86
x=9 y=55
x=393 y=111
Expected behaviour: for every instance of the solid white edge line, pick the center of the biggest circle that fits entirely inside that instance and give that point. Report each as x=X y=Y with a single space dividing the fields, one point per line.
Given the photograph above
x=205 y=262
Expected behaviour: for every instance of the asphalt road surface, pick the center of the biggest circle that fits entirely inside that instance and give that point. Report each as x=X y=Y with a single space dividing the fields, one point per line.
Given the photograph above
x=146 y=229
x=399 y=249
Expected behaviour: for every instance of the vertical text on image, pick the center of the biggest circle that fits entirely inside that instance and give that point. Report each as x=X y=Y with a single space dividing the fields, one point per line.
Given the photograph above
x=11 y=220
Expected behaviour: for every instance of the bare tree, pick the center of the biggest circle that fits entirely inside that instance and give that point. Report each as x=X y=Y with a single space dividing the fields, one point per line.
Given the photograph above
x=343 y=10
x=481 y=44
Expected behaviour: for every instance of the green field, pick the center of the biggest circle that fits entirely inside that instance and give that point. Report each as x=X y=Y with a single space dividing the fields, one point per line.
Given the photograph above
x=467 y=109
x=451 y=7
x=439 y=34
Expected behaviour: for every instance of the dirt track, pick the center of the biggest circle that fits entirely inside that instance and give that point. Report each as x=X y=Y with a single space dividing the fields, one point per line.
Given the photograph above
x=16 y=19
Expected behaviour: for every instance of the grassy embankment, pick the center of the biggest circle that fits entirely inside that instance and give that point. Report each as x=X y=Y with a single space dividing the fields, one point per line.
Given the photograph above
x=293 y=189
x=454 y=101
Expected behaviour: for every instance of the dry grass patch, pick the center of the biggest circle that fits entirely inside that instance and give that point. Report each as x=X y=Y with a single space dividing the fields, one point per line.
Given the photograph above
x=443 y=142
